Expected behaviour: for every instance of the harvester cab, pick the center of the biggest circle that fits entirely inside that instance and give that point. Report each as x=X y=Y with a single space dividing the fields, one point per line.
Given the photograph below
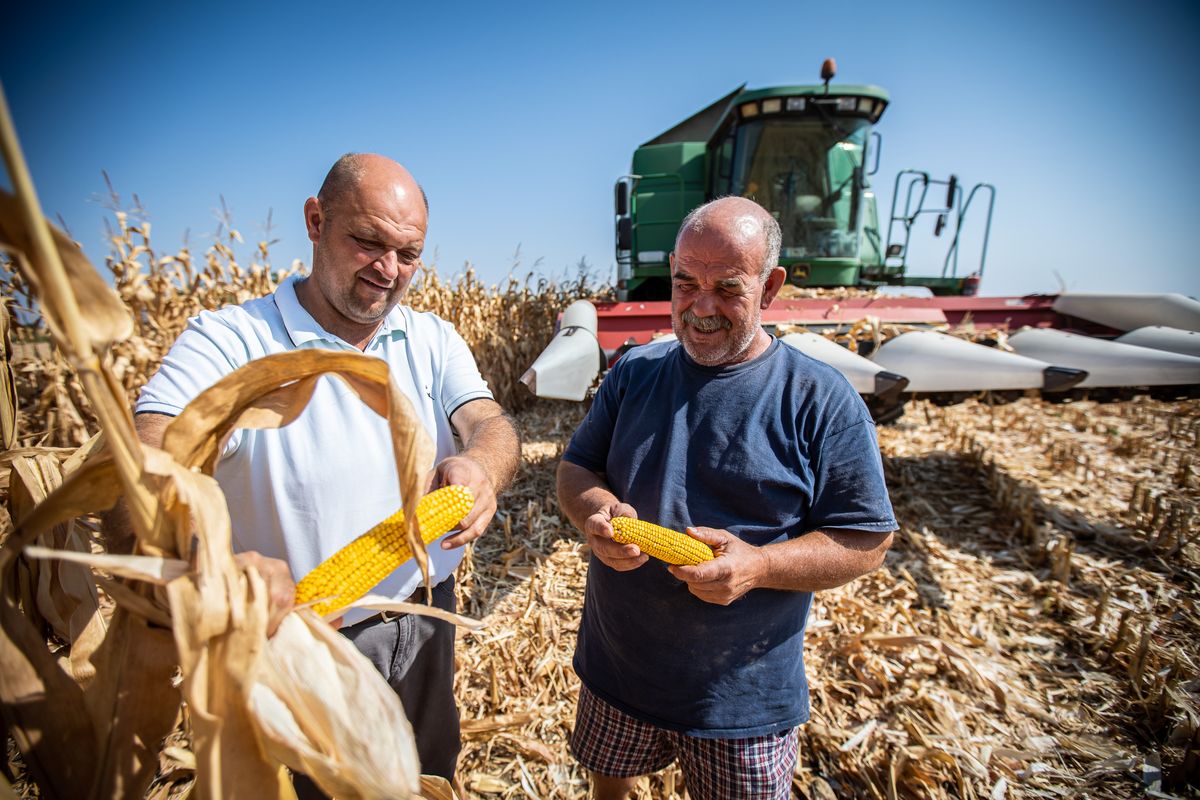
x=806 y=154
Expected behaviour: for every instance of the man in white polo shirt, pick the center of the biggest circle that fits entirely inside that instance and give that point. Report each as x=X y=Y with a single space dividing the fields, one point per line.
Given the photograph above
x=298 y=494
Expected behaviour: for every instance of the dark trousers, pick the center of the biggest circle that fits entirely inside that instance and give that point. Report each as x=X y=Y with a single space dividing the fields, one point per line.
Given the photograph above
x=416 y=656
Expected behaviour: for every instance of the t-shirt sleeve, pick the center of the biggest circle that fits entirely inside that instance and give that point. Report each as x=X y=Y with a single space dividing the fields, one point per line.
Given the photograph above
x=589 y=446
x=848 y=488
x=461 y=381
x=205 y=352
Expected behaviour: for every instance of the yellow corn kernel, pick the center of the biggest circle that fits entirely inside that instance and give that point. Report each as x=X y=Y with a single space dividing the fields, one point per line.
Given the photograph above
x=662 y=543
x=354 y=570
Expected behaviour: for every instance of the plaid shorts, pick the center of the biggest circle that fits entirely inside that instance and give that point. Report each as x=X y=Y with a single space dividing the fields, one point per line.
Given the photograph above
x=609 y=741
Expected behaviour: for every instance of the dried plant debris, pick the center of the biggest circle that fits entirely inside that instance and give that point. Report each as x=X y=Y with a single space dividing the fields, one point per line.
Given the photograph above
x=1033 y=632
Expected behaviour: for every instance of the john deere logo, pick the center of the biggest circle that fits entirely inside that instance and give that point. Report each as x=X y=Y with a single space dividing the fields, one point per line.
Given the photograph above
x=799 y=272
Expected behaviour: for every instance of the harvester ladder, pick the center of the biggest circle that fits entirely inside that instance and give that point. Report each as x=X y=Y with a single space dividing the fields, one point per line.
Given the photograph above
x=916 y=185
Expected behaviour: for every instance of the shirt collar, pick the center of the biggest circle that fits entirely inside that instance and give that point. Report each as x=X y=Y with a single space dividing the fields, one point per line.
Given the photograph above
x=303 y=329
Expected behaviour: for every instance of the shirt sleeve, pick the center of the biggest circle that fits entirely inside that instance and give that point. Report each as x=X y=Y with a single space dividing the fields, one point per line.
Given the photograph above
x=589 y=446
x=205 y=352
x=461 y=381
x=848 y=488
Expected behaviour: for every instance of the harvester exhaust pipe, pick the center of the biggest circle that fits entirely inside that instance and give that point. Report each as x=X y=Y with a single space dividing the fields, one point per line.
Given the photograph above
x=568 y=366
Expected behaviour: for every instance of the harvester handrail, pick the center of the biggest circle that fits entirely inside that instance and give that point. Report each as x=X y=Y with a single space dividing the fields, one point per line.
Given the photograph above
x=907 y=218
x=958 y=224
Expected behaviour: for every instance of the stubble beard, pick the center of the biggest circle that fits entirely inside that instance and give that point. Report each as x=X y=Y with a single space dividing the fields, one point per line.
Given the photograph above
x=715 y=357
x=367 y=312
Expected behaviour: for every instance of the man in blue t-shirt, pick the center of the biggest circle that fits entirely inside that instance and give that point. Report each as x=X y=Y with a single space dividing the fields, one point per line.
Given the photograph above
x=759 y=451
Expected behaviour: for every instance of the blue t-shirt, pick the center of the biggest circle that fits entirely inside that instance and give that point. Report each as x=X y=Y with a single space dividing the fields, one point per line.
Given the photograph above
x=769 y=450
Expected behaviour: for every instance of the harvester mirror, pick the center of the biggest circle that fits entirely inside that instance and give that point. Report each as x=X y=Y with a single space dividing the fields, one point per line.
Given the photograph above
x=894 y=250
x=939 y=225
x=951 y=189
x=624 y=233
x=622 y=198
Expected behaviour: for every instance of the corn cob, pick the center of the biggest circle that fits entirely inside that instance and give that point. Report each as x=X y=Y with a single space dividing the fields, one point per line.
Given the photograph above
x=354 y=570
x=662 y=543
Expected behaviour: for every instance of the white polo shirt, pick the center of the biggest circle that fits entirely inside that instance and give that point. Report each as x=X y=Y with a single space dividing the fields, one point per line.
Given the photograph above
x=303 y=491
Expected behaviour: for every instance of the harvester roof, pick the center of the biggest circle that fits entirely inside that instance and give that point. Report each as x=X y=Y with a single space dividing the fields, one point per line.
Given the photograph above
x=701 y=126
x=819 y=90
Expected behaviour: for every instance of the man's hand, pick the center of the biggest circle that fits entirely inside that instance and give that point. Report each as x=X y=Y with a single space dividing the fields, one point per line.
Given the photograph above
x=590 y=505
x=466 y=471
x=738 y=568
x=281 y=589
x=599 y=532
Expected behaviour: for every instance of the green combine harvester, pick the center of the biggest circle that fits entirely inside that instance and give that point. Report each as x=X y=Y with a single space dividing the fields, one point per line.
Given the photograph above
x=806 y=154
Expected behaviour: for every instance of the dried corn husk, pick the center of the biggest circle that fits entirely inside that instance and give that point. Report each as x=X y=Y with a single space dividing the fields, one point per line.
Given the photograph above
x=318 y=716
x=8 y=385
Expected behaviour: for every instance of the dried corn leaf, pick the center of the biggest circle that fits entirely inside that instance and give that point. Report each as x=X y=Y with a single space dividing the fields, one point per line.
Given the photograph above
x=477 y=727
x=92 y=487
x=208 y=623
x=103 y=319
x=43 y=706
x=220 y=622
x=957 y=656
x=325 y=711
x=488 y=784
x=8 y=386
x=129 y=599
x=93 y=483
x=76 y=458
x=154 y=569
x=60 y=274
x=436 y=788
x=377 y=602
x=66 y=597
x=134 y=701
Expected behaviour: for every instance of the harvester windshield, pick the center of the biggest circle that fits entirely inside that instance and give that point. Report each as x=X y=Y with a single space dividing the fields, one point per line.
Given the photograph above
x=806 y=172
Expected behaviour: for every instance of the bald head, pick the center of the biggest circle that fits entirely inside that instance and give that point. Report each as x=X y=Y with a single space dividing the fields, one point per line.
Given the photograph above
x=743 y=222
x=352 y=169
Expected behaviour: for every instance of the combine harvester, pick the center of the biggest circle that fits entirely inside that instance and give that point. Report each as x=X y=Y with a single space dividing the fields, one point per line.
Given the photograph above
x=803 y=153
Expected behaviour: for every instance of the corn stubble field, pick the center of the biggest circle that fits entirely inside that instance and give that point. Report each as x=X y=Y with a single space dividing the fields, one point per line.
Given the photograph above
x=1034 y=631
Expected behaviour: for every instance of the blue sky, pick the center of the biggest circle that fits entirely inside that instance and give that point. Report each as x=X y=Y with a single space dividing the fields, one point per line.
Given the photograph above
x=517 y=118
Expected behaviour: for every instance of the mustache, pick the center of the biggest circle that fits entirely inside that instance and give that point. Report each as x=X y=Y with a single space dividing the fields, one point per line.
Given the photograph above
x=706 y=324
